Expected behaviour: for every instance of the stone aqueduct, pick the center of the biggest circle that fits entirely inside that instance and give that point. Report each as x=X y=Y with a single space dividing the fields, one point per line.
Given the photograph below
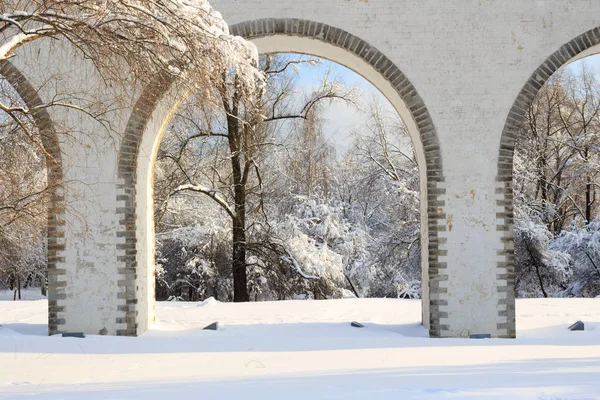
x=461 y=75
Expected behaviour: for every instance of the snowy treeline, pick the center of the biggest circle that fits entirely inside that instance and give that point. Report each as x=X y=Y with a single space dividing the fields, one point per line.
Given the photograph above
x=352 y=220
x=556 y=178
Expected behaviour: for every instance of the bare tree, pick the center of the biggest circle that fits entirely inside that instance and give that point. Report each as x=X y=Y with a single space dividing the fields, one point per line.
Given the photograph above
x=132 y=43
x=557 y=165
x=24 y=196
x=249 y=125
x=387 y=196
x=557 y=153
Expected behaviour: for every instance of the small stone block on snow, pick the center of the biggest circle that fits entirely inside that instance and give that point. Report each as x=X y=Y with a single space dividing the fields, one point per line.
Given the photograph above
x=577 y=326
x=357 y=324
x=74 y=334
x=480 y=336
x=212 y=327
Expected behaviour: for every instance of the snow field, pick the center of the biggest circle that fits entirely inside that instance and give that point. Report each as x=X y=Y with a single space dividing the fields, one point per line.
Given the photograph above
x=303 y=350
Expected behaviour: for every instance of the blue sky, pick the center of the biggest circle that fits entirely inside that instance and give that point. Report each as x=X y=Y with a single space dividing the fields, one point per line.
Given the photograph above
x=341 y=118
x=592 y=62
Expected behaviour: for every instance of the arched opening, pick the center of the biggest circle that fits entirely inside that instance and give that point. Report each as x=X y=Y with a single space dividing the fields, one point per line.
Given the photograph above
x=32 y=201
x=330 y=206
x=156 y=107
x=547 y=167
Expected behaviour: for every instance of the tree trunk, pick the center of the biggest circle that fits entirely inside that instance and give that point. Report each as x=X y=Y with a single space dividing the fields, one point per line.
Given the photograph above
x=17 y=289
x=240 y=278
x=536 y=266
x=235 y=137
x=539 y=276
x=588 y=193
x=352 y=286
x=588 y=200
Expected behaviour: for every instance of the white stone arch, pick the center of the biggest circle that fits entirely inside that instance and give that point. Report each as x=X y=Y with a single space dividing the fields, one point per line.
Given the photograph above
x=54 y=167
x=157 y=105
x=582 y=46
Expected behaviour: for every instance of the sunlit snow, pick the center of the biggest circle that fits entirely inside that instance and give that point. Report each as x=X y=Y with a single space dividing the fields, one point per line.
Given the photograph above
x=303 y=350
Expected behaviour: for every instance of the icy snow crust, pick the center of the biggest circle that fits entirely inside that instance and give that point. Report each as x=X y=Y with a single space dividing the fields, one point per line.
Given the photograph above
x=303 y=350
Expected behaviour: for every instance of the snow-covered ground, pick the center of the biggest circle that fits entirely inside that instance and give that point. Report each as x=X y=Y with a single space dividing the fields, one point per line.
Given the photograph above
x=26 y=294
x=303 y=350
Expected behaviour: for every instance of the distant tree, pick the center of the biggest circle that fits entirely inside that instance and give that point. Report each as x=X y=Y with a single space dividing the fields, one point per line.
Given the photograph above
x=557 y=166
x=556 y=171
x=582 y=244
x=384 y=196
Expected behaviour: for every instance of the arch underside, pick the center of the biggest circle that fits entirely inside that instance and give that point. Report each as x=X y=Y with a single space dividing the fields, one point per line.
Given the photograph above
x=157 y=104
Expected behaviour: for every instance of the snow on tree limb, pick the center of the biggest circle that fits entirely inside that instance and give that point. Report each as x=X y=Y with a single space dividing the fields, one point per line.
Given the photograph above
x=185 y=39
x=212 y=193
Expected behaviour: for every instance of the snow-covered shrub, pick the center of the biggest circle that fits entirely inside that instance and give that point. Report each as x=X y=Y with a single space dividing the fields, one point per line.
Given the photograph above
x=409 y=289
x=193 y=263
x=540 y=271
x=582 y=244
x=319 y=241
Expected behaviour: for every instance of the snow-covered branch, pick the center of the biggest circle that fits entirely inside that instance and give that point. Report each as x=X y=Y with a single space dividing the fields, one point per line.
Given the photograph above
x=210 y=192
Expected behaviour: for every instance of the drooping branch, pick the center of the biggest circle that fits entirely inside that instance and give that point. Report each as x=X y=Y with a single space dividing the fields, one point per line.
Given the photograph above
x=214 y=194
